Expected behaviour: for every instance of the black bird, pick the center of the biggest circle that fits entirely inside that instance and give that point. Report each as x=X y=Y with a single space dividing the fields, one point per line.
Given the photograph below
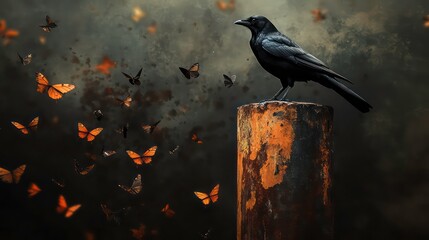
x=286 y=60
x=134 y=80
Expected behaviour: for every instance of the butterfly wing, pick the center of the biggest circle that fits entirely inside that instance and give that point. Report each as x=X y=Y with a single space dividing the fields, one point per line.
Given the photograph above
x=135 y=157
x=127 y=102
x=34 y=123
x=126 y=188
x=57 y=91
x=27 y=59
x=82 y=131
x=147 y=156
x=196 y=139
x=33 y=190
x=168 y=211
x=93 y=134
x=127 y=76
x=108 y=153
x=106 y=210
x=21 y=59
x=185 y=72
x=71 y=210
x=138 y=74
x=20 y=127
x=227 y=81
x=17 y=173
x=62 y=204
x=82 y=170
x=6 y=175
x=137 y=185
x=2 y=25
x=147 y=128
x=42 y=82
x=203 y=197
x=193 y=71
x=214 y=194
x=48 y=20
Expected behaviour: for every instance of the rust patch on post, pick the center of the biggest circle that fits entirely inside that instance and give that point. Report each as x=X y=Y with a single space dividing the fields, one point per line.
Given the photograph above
x=252 y=200
x=325 y=158
x=281 y=134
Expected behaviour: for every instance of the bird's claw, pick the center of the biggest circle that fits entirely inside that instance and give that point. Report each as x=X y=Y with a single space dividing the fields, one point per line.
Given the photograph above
x=270 y=99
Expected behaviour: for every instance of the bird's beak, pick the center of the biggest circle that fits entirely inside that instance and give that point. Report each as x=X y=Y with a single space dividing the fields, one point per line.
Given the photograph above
x=242 y=22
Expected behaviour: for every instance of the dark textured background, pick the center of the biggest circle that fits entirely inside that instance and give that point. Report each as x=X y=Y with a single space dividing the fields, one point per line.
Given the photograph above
x=381 y=188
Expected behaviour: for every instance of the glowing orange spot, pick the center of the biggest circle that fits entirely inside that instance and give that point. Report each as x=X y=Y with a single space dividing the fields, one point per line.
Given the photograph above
x=105 y=66
x=151 y=29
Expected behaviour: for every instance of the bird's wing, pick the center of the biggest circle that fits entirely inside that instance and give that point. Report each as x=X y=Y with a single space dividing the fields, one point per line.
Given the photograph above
x=282 y=47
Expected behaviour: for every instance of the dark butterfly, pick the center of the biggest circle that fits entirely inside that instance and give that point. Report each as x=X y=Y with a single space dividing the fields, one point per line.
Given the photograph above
x=125 y=102
x=192 y=72
x=134 y=80
x=151 y=127
x=49 y=24
x=123 y=130
x=135 y=188
x=107 y=153
x=82 y=170
x=59 y=183
x=114 y=215
x=229 y=81
x=318 y=14
x=174 y=150
x=98 y=114
x=25 y=60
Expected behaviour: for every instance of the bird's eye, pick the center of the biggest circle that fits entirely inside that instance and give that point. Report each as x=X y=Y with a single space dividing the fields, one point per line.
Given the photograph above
x=253 y=21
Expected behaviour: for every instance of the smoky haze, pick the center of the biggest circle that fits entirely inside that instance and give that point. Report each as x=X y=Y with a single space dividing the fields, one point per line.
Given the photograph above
x=381 y=159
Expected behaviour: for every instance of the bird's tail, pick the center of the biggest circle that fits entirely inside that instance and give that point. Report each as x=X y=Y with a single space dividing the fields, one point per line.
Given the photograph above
x=352 y=97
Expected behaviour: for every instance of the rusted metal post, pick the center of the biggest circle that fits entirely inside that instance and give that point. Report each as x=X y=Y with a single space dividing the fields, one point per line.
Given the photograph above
x=284 y=171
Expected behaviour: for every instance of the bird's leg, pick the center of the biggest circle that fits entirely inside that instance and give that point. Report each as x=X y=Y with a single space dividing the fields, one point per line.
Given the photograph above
x=275 y=96
x=285 y=94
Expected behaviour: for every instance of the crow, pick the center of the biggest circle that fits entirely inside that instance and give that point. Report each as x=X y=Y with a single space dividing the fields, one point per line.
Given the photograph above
x=286 y=60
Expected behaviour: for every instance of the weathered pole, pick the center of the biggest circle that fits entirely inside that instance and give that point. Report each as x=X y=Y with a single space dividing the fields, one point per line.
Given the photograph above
x=284 y=171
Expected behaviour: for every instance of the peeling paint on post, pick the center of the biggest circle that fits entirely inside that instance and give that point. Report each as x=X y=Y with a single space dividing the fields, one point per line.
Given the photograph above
x=284 y=171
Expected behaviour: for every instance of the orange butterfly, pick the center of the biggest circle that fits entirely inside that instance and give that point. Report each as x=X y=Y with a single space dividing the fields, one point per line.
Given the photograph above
x=12 y=176
x=89 y=135
x=125 y=102
x=150 y=127
x=64 y=208
x=138 y=233
x=33 y=190
x=138 y=14
x=318 y=14
x=135 y=188
x=55 y=91
x=151 y=29
x=33 y=125
x=168 y=211
x=192 y=72
x=224 y=6
x=105 y=66
x=145 y=158
x=196 y=139
x=205 y=198
x=6 y=33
